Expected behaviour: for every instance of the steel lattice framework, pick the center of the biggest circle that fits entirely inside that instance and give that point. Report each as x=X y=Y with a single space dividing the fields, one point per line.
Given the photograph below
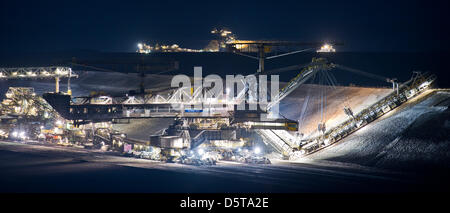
x=36 y=72
x=39 y=73
x=197 y=96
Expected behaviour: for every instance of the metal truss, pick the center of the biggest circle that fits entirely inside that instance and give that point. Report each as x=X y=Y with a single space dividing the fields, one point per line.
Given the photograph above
x=36 y=72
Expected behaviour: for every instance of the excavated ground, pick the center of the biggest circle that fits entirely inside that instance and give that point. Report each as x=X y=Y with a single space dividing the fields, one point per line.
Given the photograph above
x=414 y=137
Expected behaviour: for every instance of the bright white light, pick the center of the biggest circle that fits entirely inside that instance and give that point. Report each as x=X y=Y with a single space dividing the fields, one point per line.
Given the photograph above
x=326 y=48
x=424 y=84
x=257 y=150
x=59 y=122
x=239 y=150
x=228 y=90
x=140 y=45
x=15 y=134
x=201 y=151
x=22 y=134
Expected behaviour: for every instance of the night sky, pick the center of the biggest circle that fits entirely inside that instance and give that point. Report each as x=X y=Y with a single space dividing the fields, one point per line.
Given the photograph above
x=47 y=26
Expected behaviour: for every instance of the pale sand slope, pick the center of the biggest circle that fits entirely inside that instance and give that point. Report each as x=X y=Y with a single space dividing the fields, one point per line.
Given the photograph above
x=357 y=98
x=415 y=137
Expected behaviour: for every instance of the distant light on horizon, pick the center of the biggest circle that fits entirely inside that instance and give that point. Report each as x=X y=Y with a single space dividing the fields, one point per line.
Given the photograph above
x=326 y=48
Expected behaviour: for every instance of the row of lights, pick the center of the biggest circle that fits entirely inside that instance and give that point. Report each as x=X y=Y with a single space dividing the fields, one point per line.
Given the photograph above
x=19 y=134
x=141 y=49
x=30 y=73
x=257 y=150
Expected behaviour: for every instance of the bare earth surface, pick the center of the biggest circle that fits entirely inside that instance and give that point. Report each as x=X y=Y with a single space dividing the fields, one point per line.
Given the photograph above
x=414 y=137
x=49 y=168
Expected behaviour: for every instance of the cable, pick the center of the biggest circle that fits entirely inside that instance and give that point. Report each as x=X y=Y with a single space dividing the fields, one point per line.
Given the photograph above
x=305 y=105
x=289 y=53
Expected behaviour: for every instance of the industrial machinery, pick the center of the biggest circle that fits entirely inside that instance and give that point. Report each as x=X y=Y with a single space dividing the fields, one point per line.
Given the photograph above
x=39 y=73
x=263 y=47
x=214 y=125
x=107 y=108
x=23 y=113
x=406 y=91
x=218 y=115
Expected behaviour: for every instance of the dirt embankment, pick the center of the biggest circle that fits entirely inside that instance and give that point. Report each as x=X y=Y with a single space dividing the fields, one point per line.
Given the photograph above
x=304 y=104
x=413 y=138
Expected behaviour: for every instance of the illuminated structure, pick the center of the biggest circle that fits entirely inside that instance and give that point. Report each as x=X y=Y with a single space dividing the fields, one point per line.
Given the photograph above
x=263 y=47
x=226 y=41
x=223 y=38
x=212 y=115
x=39 y=73
x=23 y=101
x=23 y=112
x=326 y=48
x=146 y=48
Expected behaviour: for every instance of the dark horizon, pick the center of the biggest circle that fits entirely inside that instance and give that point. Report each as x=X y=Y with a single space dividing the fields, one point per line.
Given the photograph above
x=113 y=26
